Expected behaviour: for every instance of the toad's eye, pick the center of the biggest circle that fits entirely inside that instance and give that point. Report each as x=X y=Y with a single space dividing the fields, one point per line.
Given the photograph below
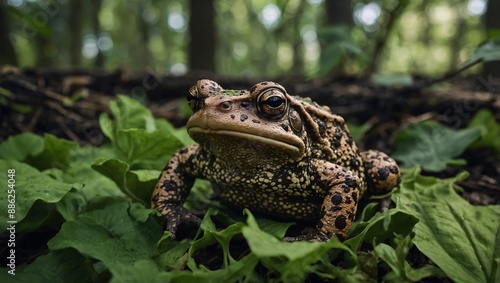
x=192 y=97
x=272 y=103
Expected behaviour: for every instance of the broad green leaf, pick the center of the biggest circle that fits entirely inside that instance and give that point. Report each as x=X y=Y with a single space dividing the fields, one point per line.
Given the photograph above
x=338 y=46
x=172 y=255
x=80 y=171
x=56 y=154
x=109 y=233
x=488 y=51
x=31 y=185
x=292 y=259
x=463 y=240
x=41 y=216
x=60 y=266
x=139 y=272
x=146 y=271
x=139 y=144
x=21 y=146
x=128 y=113
x=274 y=228
x=490 y=130
x=380 y=227
x=142 y=182
x=331 y=57
x=432 y=145
x=114 y=169
x=137 y=184
x=42 y=153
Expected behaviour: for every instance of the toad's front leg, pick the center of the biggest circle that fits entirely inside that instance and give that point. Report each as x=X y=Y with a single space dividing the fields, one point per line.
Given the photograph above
x=172 y=189
x=340 y=203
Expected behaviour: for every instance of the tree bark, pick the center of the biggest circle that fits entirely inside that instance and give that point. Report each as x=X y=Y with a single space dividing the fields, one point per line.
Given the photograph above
x=203 y=36
x=338 y=12
x=96 y=26
x=144 y=30
x=7 y=51
x=492 y=25
x=75 y=34
x=42 y=45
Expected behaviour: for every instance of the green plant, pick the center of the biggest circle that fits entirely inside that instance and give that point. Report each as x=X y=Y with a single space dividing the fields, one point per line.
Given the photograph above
x=95 y=200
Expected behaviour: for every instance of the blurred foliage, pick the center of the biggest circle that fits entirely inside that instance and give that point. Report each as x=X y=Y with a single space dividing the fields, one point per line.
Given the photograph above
x=255 y=37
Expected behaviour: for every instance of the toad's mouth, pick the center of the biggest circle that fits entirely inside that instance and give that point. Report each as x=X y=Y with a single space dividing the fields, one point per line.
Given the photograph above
x=294 y=149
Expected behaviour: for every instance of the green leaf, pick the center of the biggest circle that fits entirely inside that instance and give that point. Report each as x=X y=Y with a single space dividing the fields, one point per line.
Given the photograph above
x=21 y=146
x=60 y=266
x=358 y=131
x=114 y=169
x=392 y=79
x=139 y=144
x=142 y=182
x=30 y=186
x=109 y=233
x=144 y=142
x=490 y=130
x=172 y=255
x=293 y=260
x=137 y=184
x=140 y=271
x=330 y=58
x=463 y=240
x=211 y=236
x=146 y=271
x=380 y=227
x=432 y=145
x=401 y=269
x=486 y=52
x=56 y=154
x=338 y=46
x=128 y=113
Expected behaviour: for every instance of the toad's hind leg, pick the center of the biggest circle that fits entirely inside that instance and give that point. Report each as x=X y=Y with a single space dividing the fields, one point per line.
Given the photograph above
x=382 y=172
x=340 y=203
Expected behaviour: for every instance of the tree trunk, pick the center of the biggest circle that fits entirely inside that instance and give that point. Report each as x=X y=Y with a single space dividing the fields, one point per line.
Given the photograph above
x=338 y=12
x=43 y=44
x=492 y=24
x=456 y=41
x=144 y=30
x=75 y=32
x=203 y=36
x=7 y=52
x=96 y=26
x=297 y=45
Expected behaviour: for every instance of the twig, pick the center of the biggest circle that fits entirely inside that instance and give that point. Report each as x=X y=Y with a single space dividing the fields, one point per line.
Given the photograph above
x=417 y=87
x=64 y=112
x=450 y=74
x=483 y=186
x=34 y=119
x=29 y=86
x=67 y=131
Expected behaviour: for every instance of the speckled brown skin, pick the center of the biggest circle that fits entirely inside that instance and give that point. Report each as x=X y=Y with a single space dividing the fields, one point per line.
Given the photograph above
x=272 y=153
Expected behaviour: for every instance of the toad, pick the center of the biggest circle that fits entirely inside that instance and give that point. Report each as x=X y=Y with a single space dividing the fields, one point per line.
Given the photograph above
x=276 y=154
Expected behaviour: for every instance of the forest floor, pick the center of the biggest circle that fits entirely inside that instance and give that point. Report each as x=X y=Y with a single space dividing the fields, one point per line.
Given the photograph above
x=68 y=103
